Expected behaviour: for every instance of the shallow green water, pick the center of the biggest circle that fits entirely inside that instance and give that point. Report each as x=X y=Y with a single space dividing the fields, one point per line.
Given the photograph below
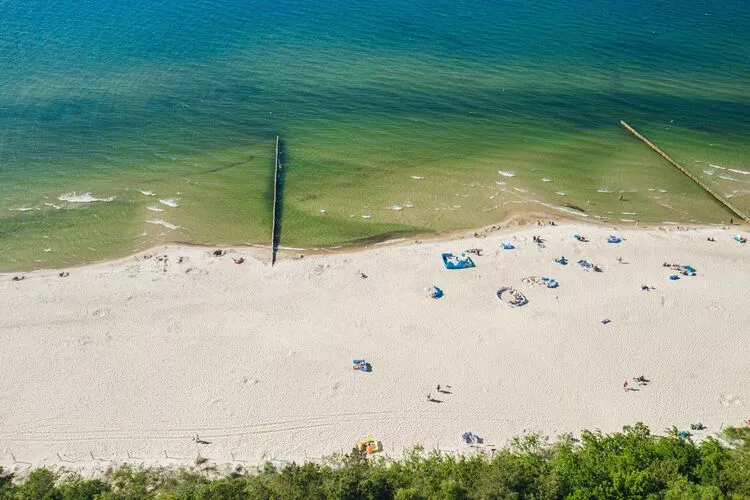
x=185 y=102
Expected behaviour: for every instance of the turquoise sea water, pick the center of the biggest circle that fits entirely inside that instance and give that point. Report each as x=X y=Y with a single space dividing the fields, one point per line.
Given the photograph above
x=103 y=101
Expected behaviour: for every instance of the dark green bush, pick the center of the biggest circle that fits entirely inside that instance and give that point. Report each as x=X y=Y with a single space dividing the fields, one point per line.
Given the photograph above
x=628 y=464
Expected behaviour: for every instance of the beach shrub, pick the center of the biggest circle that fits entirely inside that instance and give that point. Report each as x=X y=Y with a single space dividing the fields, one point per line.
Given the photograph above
x=39 y=485
x=628 y=464
x=76 y=487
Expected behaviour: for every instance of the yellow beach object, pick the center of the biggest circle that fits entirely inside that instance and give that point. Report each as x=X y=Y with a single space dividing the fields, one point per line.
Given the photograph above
x=369 y=445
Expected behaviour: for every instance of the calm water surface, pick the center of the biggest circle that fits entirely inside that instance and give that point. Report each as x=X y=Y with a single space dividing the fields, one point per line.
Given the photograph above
x=127 y=124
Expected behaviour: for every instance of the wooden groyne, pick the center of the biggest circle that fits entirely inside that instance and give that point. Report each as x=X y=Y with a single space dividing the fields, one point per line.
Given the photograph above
x=682 y=169
x=274 y=239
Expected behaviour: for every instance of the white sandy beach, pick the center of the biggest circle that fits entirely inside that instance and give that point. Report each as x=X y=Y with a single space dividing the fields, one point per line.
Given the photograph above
x=127 y=361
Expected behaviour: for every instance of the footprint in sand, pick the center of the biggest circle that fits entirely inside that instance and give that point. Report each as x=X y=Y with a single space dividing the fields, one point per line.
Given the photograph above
x=100 y=313
x=729 y=400
x=320 y=269
x=84 y=341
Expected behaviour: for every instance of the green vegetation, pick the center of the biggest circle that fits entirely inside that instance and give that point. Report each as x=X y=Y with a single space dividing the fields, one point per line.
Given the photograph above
x=628 y=464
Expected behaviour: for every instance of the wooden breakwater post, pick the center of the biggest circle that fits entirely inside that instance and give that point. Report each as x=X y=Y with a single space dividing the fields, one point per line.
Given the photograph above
x=734 y=210
x=276 y=168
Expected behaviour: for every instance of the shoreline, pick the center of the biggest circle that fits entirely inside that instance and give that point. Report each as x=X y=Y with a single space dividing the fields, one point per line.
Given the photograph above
x=126 y=359
x=516 y=220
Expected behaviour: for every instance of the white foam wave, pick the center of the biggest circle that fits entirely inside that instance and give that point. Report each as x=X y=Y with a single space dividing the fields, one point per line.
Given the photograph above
x=22 y=209
x=727 y=178
x=501 y=183
x=629 y=213
x=163 y=223
x=56 y=207
x=506 y=174
x=417 y=178
x=564 y=209
x=83 y=198
x=521 y=190
x=546 y=180
x=395 y=207
x=560 y=193
x=717 y=166
x=737 y=171
x=367 y=216
x=627 y=220
x=148 y=193
x=409 y=205
x=602 y=190
x=709 y=172
x=169 y=202
x=154 y=209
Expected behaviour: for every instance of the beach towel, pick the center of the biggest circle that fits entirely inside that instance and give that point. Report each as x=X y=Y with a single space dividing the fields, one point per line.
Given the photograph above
x=562 y=261
x=508 y=246
x=614 y=239
x=369 y=445
x=471 y=438
x=549 y=282
x=688 y=270
x=434 y=292
x=361 y=365
x=674 y=277
x=685 y=270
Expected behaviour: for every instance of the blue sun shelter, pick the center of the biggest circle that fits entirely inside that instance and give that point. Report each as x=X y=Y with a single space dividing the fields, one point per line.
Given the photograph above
x=451 y=261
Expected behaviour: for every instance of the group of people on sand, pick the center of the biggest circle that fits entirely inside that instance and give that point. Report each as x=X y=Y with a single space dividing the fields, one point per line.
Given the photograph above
x=640 y=380
x=441 y=390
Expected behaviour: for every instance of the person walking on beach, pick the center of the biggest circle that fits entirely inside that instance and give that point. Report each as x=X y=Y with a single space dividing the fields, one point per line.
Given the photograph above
x=626 y=386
